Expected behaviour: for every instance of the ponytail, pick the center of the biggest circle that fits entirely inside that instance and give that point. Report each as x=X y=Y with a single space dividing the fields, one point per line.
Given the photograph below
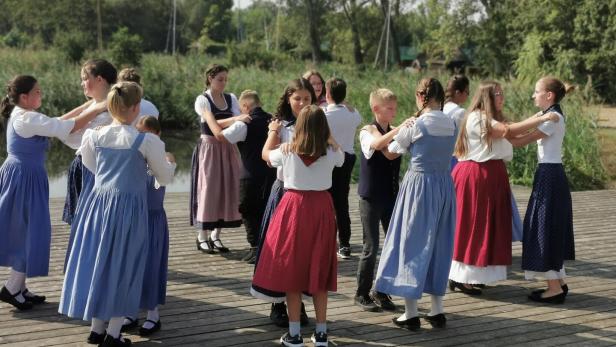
x=21 y=84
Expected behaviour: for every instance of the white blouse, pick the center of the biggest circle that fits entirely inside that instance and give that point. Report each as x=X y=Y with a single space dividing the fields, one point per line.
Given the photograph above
x=436 y=123
x=454 y=111
x=146 y=108
x=316 y=176
x=31 y=123
x=203 y=104
x=122 y=137
x=477 y=145
x=343 y=125
x=74 y=139
x=549 y=149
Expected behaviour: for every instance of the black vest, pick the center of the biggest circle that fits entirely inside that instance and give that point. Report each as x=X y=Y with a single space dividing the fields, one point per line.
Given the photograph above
x=378 y=176
x=218 y=113
x=250 y=149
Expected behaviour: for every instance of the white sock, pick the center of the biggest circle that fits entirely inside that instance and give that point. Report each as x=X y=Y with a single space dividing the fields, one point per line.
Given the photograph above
x=437 y=305
x=152 y=316
x=98 y=326
x=14 y=284
x=410 y=309
x=215 y=234
x=115 y=326
x=127 y=320
x=202 y=235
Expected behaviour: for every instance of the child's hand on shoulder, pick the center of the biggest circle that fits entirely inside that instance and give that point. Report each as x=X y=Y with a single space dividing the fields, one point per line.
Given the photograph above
x=170 y=157
x=285 y=148
x=409 y=122
x=334 y=145
x=551 y=116
x=244 y=118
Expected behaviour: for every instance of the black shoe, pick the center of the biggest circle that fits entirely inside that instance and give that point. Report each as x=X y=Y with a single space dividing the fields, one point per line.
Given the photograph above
x=252 y=260
x=205 y=246
x=344 y=252
x=303 y=316
x=35 y=299
x=291 y=341
x=9 y=298
x=111 y=342
x=469 y=291
x=217 y=244
x=437 y=321
x=383 y=301
x=132 y=324
x=252 y=253
x=366 y=303
x=564 y=287
x=319 y=339
x=147 y=332
x=409 y=324
x=554 y=299
x=96 y=338
x=279 y=316
x=480 y=286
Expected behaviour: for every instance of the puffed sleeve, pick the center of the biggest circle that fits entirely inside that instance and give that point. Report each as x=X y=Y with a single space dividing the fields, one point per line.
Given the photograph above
x=549 y=127
x=236 y=132
x=235 y=105
x=365 y=142
x=201 y=104
x=154 y=150
x=88 y=151
x=275 y=158
x=37 y=124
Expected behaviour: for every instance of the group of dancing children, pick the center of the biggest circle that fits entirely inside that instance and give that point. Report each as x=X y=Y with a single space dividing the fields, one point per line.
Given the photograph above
x=450 y=221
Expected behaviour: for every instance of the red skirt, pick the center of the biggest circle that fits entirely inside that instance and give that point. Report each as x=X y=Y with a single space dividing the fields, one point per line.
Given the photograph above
x=299 y=251
x=483 y=213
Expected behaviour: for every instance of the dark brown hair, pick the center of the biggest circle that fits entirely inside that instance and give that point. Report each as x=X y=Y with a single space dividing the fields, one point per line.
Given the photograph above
x=337 y=89
x=431 y=89
x=457 y=83
x=129 y=74
x=212 y=71
x=284 y=112
x=103 y=68
x=150 y=123
x=556 y=86
x=21 y=84
x=311 y=132
x=311 y=73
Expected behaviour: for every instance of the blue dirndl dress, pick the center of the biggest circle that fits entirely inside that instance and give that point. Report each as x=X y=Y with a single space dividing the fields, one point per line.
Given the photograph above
x=418 y=247
x=25 y=235
x=104 y=274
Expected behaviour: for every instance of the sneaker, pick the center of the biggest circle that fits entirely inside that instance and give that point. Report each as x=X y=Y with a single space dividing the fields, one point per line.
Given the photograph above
x=279 y=316
x=319 y=339
x=291 y=341
x=383 y=301
x=366 y=303
x=303 y=316
x=344 y=252
x=252 y=252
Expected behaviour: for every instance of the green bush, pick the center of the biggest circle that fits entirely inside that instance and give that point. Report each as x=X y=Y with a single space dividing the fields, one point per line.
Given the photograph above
x=71 y=44
x=15 y=39
x=125 y=49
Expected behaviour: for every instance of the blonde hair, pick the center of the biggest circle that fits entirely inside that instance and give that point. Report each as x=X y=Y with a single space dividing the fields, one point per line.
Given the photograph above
x=121 y=97
x=129 y=74
x=483 y=102
x=311 y=132
x=381 y=95
x=251 y=97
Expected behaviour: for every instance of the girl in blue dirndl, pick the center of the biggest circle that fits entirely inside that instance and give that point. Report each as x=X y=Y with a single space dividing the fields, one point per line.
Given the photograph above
x=417 y=252
x=25 y=234
x=104 y=274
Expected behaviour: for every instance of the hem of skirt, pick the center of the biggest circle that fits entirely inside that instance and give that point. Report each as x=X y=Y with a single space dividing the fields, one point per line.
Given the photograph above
x=545 y=275
x=472 y=274
x=218 y=224
x=257 y=294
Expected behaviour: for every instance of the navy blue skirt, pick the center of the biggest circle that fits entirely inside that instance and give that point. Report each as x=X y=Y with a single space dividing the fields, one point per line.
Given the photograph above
x=548 y=224
x=73 y=189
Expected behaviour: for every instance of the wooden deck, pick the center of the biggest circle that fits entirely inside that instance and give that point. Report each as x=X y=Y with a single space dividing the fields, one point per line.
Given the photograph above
x=208 y=301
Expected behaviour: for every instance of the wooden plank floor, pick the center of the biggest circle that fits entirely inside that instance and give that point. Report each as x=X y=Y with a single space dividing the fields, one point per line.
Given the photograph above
x=208 y=301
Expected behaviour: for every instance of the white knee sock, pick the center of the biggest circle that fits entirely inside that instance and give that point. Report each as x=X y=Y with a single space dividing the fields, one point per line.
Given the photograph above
x=215 y=234
x=115 y=326
x=152 y=316
x=202 y=235
x=14 y=284
x=437 y=305
x=410 y=309
x=98 y=326
x=128 y=320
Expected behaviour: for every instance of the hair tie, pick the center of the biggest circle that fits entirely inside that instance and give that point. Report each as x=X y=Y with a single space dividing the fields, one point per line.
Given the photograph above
x=118 y=89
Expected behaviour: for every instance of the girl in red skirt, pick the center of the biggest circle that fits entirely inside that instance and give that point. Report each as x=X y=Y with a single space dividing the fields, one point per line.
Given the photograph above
x=299 y=251
x=482 y=245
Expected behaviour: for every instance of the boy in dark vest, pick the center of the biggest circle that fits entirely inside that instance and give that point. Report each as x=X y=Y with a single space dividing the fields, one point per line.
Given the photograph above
x=257 y=178
x=378 y=188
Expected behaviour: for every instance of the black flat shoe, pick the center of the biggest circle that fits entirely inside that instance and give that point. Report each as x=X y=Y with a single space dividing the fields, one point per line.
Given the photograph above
x=9 y=298
x=469 y=291
x=437 y=321
x=217 y=244
x=35 y=299
x=278 y=315
x=133 y=323
x=409 y=324
x=554 y=299
x=564 y=287
x=205 y=246
x=96 y=338
x=111 y=342
x=147 y=332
